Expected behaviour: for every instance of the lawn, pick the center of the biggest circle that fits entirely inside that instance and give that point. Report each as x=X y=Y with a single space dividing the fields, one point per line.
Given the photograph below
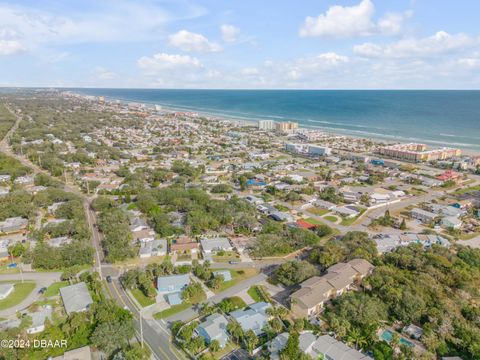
x=237 y=276
x=317 y=211
x=20 y=292
x=347 y=222
x=467 y=190
x=225 y=256
x=314 y=221
x=256 y=294
x=54 y=289
x=331 y=218
x=180 y=307
x=141 y=298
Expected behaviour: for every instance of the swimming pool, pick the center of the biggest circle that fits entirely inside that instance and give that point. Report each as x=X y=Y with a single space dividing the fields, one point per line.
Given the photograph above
x=387 y=335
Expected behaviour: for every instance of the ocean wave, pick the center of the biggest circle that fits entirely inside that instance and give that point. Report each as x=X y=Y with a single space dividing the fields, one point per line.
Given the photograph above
x=346 y=124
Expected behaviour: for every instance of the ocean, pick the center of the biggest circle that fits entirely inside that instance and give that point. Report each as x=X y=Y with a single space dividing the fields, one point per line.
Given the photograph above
x=438 y=118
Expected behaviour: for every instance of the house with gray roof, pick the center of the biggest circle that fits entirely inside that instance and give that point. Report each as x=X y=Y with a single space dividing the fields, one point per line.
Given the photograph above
x=83 y=353
x=212 y=245
x=13 y=224
x=76 y=298
x=328 y=347
x=153 y=248
x=214 y=328
x=423 y=215
x=172 y=283
x=37 y=320
x=252 y=318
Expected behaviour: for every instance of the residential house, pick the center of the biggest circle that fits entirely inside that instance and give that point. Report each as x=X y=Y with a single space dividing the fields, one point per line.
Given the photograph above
x=423 y=215
x=138 y=224
x=214 y=245
x=214 y=327
x=451 y=222
x=76 y=298
x=153 y=248
x=184 y=244
x=347 y=211
x=314 y=292
x=322 y=204
x=252 y=318
x=13 y=224
x=37 y=323
x=327 y=347
x=172 y=283
x=389 y=242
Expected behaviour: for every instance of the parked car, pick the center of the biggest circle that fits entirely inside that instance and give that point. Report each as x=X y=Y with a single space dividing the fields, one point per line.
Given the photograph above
x=42 y=290
x=109 y=279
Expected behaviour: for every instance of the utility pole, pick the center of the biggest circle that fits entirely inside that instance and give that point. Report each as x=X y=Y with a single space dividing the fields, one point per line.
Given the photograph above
x=141 y=326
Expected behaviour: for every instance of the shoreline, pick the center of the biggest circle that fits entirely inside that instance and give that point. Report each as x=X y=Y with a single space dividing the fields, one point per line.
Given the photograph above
x=356 y=134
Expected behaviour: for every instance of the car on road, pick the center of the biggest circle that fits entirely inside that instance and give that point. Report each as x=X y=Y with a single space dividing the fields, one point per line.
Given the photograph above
x=42 y=290
x=233 y=262
x=109 y=279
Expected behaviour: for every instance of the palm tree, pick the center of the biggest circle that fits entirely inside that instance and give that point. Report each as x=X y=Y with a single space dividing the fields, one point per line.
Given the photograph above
x=235 y=330
x=356 y=338
x=214 y=346
x=251 y=340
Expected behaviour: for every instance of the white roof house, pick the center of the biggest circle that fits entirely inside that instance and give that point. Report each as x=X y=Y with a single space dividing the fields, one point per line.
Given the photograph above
x=76 y=298
x=210 y=245
x=153 y=248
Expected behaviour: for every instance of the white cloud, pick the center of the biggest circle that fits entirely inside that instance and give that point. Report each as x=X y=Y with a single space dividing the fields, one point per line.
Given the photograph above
x=95 y=21
x=161 y=62
x=10 y=47
x=229 y=33
x=437 y=44
x=104 y=74
x=189 y=41
x=250 y=71
x=349 y=21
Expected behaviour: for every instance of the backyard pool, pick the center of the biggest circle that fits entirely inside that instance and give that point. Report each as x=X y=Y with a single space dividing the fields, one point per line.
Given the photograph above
x=387 y=335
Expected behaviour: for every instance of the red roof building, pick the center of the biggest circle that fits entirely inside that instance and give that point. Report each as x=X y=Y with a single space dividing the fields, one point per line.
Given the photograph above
x=449 y=175
x=305 y=224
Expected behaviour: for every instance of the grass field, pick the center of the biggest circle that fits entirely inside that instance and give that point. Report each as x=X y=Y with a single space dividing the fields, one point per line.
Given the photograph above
x=256 y=294
x=54 y=289
x=317 y=211
x=331 y=218
x=142 y=299
x=314 y=221
x=467 y=189
x=172 y=311
x=237 y=276
x=20 y=292
x=180 y=307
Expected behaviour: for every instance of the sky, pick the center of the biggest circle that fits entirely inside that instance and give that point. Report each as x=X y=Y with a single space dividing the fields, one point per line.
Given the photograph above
x=262 y=44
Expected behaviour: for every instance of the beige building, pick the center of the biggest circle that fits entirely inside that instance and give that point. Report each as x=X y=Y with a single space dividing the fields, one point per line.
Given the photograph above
x=418 y=152
x=314 y=292
x=287 y=126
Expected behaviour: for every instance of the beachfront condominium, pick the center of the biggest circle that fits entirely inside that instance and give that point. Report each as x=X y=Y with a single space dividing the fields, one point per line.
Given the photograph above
x=286 y=126
x=266 y=125
x=418 y=152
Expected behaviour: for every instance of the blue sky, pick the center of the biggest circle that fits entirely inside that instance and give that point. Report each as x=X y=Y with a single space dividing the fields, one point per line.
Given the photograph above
x=322 y=44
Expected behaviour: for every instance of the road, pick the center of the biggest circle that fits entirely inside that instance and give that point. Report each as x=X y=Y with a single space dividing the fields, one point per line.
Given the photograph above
x=156 y=336
x=41 y=279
